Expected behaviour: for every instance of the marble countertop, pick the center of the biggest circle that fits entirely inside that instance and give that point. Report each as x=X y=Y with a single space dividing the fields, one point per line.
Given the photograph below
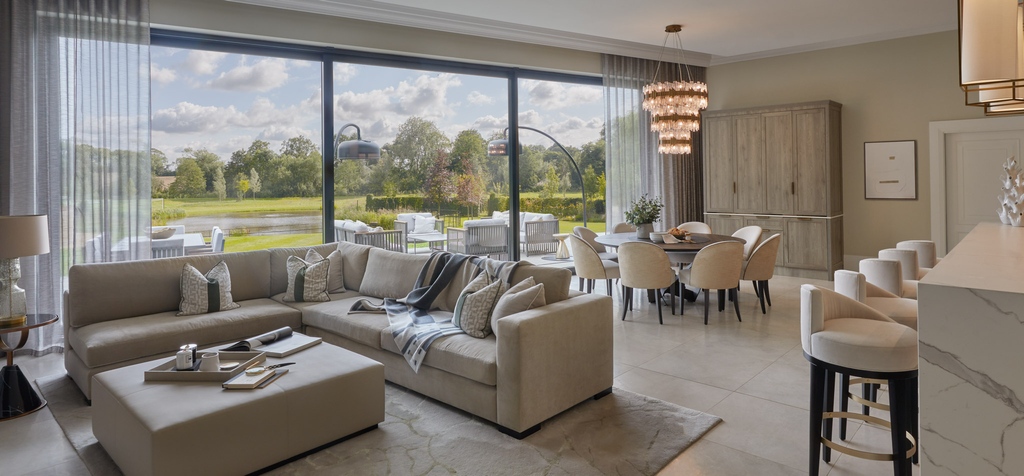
x=990 y=258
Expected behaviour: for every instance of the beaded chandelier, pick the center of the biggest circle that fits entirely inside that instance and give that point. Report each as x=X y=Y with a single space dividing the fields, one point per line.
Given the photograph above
x=675 y=105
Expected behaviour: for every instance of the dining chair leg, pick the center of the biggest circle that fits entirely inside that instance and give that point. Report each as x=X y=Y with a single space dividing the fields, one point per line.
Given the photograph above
x=671 y=301
x=658 y=304
x=736 y=301
x=625 y=301
x=767 y=295
x=581 y=284
x=760 y=295
x=705 y=307
x=590 y=286
x=608 y=286
x=721 y=300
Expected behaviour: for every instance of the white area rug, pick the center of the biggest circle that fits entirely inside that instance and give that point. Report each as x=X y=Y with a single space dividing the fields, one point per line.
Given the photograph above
x=623 y=434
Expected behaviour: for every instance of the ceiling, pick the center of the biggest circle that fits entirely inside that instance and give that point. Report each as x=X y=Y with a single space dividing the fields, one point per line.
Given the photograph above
x=714 y=31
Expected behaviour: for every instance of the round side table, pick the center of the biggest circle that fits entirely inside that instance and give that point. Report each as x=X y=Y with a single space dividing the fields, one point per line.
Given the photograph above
x=563 y=250
x=17 y=397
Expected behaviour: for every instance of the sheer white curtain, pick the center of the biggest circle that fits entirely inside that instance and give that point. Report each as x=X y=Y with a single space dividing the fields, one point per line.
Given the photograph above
x=633 y=164
x=75 y=141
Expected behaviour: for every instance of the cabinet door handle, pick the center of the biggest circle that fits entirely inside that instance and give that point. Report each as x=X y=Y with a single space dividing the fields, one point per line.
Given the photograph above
x=734 y=187
x=792 y=188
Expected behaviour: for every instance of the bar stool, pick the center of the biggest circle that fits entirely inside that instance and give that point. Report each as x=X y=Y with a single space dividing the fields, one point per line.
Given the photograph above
x=841 y=335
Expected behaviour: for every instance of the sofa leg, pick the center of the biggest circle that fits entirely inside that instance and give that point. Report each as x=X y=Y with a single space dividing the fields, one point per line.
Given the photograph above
x=517 y=434
x=603 y=393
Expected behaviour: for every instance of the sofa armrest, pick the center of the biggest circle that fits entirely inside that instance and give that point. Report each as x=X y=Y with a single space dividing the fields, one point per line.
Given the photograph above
x=553 y=357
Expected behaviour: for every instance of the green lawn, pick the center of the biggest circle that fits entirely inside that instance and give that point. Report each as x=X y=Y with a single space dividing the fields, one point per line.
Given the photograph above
x=197 y=207
x=262 y=242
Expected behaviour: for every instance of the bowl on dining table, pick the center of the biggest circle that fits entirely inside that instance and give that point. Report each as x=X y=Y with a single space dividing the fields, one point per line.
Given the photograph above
x=159 y=232
x=658 y=236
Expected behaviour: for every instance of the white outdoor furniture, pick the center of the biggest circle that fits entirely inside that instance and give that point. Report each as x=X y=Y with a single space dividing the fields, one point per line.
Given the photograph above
x=359 y=232
x=536 y=231
x=167 y=248
x=479 y=237
x=421 y=228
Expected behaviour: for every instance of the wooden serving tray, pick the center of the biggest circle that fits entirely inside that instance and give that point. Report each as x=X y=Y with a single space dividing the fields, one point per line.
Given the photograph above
x=166 y=372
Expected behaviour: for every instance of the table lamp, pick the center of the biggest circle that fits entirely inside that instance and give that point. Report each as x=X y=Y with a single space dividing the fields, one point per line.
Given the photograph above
x=22 y=235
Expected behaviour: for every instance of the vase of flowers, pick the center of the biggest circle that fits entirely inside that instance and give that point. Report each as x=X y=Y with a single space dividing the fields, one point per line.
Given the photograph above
x=643 y=213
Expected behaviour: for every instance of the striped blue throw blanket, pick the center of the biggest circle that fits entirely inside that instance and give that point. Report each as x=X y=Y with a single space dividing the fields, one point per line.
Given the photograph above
x=413 y=325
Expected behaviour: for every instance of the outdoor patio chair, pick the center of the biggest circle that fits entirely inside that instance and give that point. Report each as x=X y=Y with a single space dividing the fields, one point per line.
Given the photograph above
x=167 y=248
x=391 y=240
x=537 y=233
x=420 y=228
x=479 y=237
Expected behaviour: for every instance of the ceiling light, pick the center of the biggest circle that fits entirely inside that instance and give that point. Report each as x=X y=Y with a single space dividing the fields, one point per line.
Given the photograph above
x=675 y=105
x=992 y=55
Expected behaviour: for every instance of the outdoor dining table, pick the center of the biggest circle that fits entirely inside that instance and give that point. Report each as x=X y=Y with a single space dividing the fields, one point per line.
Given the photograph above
x=697 y=242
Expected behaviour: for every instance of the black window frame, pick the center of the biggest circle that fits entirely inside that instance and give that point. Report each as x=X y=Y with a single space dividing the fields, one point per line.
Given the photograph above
x=328 y=55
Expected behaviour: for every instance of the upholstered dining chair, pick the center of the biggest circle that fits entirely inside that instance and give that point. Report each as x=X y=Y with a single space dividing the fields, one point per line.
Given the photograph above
x=695 y=227
x=760 y=267
x=645 y=266
x=590 y=237
x=909 y=270
x=752 y=236
x=716 y=266
x=884 y=273
x=623 y=228
x=590 y=266
x=926 y=254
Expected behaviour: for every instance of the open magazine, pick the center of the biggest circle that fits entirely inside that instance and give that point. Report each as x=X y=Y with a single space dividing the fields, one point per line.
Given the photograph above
x=279 y=343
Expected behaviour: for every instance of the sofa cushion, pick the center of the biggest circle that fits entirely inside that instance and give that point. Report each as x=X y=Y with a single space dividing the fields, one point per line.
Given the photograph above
x=423 y=226
x=100 y=292
x=203 y=293
x=555 y=280
x=390 y=274
x=474 y=315
x=521 y=297
x=279 y=264
x=110 y=342
x=460 y=354
x=333 y=316
x=307 y=280
x=353 y=260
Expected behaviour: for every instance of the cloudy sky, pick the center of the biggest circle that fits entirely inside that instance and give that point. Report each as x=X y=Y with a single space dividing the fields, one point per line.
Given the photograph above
x=224 y=101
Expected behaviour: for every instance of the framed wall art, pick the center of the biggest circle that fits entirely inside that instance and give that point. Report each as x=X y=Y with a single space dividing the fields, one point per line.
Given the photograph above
x=890 y=170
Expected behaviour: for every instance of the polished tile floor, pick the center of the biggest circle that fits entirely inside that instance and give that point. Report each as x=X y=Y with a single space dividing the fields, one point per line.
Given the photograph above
x=750 y=373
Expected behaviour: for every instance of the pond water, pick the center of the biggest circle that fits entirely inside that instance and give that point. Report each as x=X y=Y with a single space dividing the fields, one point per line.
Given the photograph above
x=255 y=223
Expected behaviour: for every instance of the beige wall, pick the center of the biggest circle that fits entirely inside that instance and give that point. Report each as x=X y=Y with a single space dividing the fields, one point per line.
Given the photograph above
x=890 y=90
x=271 y=23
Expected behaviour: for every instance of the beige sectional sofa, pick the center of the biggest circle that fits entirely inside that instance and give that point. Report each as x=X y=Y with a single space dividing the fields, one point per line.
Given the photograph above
x=546 y=360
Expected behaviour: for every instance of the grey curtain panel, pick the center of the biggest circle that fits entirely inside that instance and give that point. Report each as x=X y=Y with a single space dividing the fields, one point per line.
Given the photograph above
x=75 y=141
x=633 y=164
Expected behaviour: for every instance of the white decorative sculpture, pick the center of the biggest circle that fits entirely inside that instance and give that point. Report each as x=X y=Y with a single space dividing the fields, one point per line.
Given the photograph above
x=1011 y=200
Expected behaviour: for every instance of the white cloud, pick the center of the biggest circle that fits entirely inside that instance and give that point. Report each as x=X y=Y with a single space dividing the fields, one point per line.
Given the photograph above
x=344 y=72
x=203 y=62
x=386 y=109
x=530 y=118
x=266 y=74
x=551 y=95
x=276 y=132
x=186 y=118
x=478 y=98
x=162 y=75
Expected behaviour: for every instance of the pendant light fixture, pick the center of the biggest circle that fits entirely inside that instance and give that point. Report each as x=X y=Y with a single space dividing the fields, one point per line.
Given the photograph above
x=992 y=55
x=675 y=105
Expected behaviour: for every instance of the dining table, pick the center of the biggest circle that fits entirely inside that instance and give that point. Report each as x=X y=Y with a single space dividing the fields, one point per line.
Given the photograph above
x=696 y=243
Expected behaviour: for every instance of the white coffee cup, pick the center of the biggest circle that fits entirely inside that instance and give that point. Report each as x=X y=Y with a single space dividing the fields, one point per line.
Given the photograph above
x=210 y=362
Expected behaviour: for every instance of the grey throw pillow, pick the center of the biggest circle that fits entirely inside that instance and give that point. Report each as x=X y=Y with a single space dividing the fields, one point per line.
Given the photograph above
x=525 y=295
x=474 y=314
x=201 y=293
x=307 y=282
x=335 y=277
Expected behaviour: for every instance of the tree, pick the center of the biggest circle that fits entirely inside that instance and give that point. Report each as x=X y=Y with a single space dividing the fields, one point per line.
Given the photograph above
x=414 y=149
x=241 y=187
x=158 y=162
x=594 y=184
x=468 y=151
x=592 y=155
x=220 y=187
x=440 y=184
x=188 y=180
x=552 y=183
x=300 y=146
x=258 y=156
x=254 y=182
x=469 y=190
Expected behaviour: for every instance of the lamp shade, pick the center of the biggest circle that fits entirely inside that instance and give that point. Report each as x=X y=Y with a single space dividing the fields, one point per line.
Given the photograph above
x=23 y=235
x=357 y=149
x=497 y=147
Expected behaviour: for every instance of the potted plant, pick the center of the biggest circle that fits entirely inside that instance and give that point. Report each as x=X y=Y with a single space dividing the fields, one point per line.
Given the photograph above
x=643 y=213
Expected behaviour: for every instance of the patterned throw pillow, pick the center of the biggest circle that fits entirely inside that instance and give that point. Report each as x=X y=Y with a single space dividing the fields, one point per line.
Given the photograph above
x=474 y=315
x=201 y=294
x=474 y=285
x=335 y=278
x=307 y=282
x=524 y=295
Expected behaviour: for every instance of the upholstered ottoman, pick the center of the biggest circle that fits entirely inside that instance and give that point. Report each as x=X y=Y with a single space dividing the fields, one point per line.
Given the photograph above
x=152 y=428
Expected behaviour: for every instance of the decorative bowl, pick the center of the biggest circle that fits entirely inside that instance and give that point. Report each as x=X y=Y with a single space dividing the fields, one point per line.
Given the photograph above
x=159 y=232
x=658 y=236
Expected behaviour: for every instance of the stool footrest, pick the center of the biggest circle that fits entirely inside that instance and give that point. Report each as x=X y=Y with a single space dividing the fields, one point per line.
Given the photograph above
x=863 y=401
x=859 y=453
